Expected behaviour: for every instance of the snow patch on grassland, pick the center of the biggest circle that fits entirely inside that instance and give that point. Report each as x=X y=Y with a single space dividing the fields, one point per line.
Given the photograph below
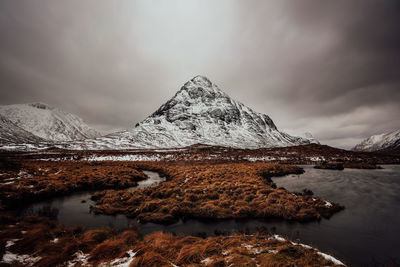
x=324 y=255
x=206 y=261
x=253 y=159
x=25 y=260
x=81 y=259
x=121 y=262
x=278 y=237
x=128 y=158
x=316 y=158
x=330 y=258
x=10 y=258
x=21 y=175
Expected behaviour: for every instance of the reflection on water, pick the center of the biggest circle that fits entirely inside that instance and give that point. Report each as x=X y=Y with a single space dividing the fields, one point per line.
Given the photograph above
x=154 y=179
x=366 y=231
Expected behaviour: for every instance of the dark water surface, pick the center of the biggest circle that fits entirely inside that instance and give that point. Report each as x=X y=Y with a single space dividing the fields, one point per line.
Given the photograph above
x=366 y=232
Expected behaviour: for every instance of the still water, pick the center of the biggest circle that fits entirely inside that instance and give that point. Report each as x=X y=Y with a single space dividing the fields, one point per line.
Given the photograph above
x=367 y=232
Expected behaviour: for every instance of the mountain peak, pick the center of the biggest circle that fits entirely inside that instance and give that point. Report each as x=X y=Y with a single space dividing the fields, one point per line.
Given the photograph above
x=201 y=80
x=200 y=87
x=381 y=142
x=40 y=105
x=47 y=122
x=200 y=112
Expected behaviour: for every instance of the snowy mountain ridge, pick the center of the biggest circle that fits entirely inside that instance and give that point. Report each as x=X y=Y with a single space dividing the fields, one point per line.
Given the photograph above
x=199 y=113
x=47 y=123
x=12 y=134
x=381 y=142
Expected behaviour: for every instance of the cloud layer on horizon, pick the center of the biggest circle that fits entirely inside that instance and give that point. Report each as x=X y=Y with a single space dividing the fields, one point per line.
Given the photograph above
x=331 y=68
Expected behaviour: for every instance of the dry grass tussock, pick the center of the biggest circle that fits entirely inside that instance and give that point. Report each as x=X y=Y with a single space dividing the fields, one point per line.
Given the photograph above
x=214 y=191
x=25 y=181
x=56 y=245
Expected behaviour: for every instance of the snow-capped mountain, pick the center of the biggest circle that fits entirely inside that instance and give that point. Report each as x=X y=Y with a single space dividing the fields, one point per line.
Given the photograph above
x=200 y=113
x=47 y=123
x=381 y=142
x=311 y=138
x=12 y=134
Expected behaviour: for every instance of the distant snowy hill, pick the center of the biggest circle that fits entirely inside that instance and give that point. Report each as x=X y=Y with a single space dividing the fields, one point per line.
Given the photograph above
x=381 y=142
x=11 y=133
x=46 y=122
x=200 y=113
x=311 y=138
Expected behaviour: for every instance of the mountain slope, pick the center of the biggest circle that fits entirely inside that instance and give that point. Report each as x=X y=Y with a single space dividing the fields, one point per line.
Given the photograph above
x=47 y=122
x=381 y=142
x=12 y=134
x=201 y=113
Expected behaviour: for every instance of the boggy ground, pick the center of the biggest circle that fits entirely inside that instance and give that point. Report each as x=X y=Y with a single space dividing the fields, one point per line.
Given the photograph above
x=23 y=181
x=303 y=154
x=214 y=191
x=40 y=241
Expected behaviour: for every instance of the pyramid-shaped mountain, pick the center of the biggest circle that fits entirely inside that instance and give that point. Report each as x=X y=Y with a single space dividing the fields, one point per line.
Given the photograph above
x=200 y=113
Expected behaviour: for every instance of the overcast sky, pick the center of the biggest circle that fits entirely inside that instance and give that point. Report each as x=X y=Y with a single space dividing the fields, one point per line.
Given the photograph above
x=331 y=68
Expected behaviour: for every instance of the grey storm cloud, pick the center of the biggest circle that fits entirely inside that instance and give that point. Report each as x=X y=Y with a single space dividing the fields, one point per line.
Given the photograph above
x=331 y=68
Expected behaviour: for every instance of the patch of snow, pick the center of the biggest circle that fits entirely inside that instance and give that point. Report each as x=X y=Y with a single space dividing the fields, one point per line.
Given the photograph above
x=81 y=259
x=252 y=249
x=277 y=237
x=303 y=245
x=328 y=204
x=330 y=258
x=26 y=260
x=266 y=158
x=11 y=242
x=316 y=158
x=126 y=158
x=206 y=261
x=121 y=262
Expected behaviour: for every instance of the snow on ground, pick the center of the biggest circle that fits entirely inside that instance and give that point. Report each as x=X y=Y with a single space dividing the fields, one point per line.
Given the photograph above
x=278 y=237
x=206 y=261
x=26 y=260
x=324 y=255
x=252 y=249
x=253 y=159
x=121 y=262
x=11 y=242
x=80 y=259
x=10 y=258
x=316 y=158
x=330 y=258
x=128 y=158
x=21 y=175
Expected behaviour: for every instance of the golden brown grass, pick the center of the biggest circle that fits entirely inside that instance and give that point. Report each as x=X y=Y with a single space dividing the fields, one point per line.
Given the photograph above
x=157 y=249
x=214 y=191
x=45 y=179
